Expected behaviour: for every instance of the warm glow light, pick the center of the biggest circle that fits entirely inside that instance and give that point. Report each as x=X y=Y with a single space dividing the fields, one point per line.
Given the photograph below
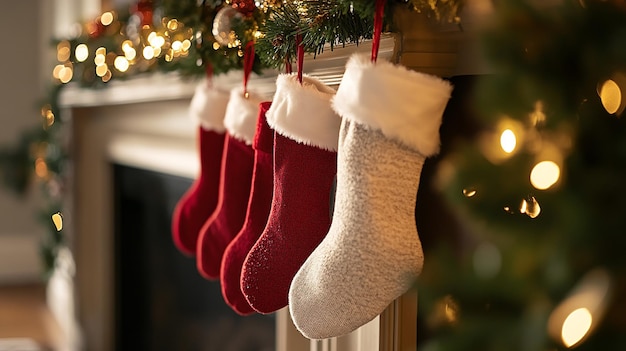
x=186 y=44
x=57 y=219
x=106 y=18
x=177 y=45
x=63 y=51
x=127 y=45
x=101 y=70
x=81 y=52
x=151 y=37
x=57 y=71
x=172 y=24
x=63 y=54
x=41 y=168
x=121 y=63
x=469 y=192
x=611 y=96
x=130 y=54
x=107 y=76
x=530 y=207
x=508 y=141
x=544 y=175
x=66 y=74
x=159 y=41
x=148 y=52
x=100 y=57
x=576 y=326
x=49 y=118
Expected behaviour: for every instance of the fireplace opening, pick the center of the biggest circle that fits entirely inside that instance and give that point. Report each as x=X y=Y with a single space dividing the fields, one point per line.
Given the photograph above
x=161 y=301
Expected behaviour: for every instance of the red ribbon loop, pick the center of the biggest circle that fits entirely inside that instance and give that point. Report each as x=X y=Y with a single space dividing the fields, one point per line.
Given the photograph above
x=378 y=27
x=248 y=62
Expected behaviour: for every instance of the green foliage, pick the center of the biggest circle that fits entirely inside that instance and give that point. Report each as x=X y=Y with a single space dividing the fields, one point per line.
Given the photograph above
x=555 y=55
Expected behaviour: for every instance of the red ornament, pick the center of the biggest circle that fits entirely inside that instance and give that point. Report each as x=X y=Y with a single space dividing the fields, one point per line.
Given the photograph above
x=245 y=7
x=144 y=9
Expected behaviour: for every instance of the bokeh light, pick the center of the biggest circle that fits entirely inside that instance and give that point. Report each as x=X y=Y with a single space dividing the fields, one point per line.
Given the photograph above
x=81 y=52
x=508 y=141
x=576 y=326
x=57 y=219
x=544 y=175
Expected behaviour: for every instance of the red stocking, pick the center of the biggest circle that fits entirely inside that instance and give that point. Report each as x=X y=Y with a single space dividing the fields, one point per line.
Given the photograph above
x=258 y=210
x=207 y=109
x=305 y=164
x=234 y=191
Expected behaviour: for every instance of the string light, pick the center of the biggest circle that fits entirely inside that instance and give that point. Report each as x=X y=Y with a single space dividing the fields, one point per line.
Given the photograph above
x=121 y=64
x=544 y=175
x=508 y=141
x=469 y=192
x=575 y=318
x=48 y=116
x=81 y=52
x=611 y=95
x=576 y=326
x=106 y=18
x=66 y=73
x=530 y=207
x=57 y=219
x=63 y=51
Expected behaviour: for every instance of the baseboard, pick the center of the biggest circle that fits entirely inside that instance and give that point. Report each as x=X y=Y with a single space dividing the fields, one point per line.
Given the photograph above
x=19 y=259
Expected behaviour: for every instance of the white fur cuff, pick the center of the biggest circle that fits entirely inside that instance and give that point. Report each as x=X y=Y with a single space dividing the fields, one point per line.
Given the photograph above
x=208 y=106
x=302 y=112
x=405 y=105
x=241 y=115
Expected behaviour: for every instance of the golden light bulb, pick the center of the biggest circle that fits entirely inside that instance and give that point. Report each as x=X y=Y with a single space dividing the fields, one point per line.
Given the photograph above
x=121 y=63
x=66 y=74
x=41 y=168
x=530 y=207
x=172 y=24
x=508 y=141
x=469 y=192
x=127 y=45
x=101 y=70
x=576 y=326
x=177 y=45
x=186 y=44
x=130 y=54
x=151 y=37
x=57 y=219
x=63 y=54
x=544 y=175
x=159 y=41
x=106 y=18
x=81 y=52
x=611 y=96
x=148 y=52
x=56 y=72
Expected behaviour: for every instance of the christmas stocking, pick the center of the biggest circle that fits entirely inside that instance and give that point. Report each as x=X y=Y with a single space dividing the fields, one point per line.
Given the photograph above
x=235 y=181
x=258 y=210
x=372 y=253
x=304 y=169
x=207 y=109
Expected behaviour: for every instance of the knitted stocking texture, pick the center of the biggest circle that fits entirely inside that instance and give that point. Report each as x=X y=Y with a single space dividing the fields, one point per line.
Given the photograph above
x=372 y=252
